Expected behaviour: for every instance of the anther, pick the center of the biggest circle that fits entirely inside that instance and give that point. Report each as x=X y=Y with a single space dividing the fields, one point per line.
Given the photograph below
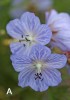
x=41 y=74
x=27 y=39
x=38 y=76
x=22 y=36
x=24 y=45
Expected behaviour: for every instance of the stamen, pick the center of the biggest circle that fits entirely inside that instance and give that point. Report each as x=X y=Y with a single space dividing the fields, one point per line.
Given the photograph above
x=22 y=36
x=39 y=76
x=19 y=40
x=24 y=45
x=27 y=39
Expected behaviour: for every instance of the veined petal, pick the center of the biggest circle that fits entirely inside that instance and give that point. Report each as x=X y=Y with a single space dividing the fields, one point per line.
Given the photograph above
x=15 y=29
x=38 y=85
x=43 y=86
x=21 y=48
x=17 y=47
x=56 y=61
x=59 y=45
x=50 y=16
x=52 y=76
x=63 y=17
x=27 y=78
x=62 y=22
x=44 y=34
x=40 y=52
x=62 y=40
x=20 y=62
x=30 y=22
x=57 y=21
x=24 y=77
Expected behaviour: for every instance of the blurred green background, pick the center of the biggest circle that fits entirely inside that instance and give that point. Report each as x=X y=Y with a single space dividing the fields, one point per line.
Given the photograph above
x=9 y=78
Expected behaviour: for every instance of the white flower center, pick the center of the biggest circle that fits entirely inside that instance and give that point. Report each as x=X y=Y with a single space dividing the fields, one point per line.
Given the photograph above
x=31 y=38
x=38 y=66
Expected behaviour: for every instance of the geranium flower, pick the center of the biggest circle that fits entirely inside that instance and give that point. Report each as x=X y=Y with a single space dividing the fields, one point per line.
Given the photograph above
x=28 y=31
x=60 y=26
x=39 y=70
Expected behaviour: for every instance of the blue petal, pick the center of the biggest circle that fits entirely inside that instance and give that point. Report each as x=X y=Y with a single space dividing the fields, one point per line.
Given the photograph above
x=21 y=48
x=38 y=85
x=20 y=62
x=60 y=45
x=17 y=48
x=52 y=76
x=62 y=40
x=15 y=29
x=43 y=86
x=26 y=78
x=51 y=16
x=30 y=22
x=56 y=61
x=40 y=52
x=44 y=34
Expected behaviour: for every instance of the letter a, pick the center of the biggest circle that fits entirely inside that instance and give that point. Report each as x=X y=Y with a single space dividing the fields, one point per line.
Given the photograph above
x=9 y=91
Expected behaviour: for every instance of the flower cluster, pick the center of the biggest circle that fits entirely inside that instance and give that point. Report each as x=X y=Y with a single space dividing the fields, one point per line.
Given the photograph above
x=31 y=56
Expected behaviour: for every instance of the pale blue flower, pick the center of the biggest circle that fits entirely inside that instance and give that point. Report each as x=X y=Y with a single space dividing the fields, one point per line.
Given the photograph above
x=39 y=70
x=60 y=27
x=28 y=31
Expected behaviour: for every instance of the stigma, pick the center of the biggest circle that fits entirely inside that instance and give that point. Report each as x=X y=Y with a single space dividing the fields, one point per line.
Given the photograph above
x=39 y=66
x=30 y=38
